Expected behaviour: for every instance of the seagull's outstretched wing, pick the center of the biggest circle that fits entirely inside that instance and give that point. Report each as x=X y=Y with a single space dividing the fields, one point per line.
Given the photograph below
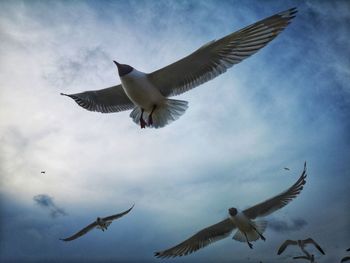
x=345 y=259
x=199 y=240
x=302 y=257
x=107 y=100
x=81 y=232
x=311 y=241
x=215 y=57
x=279 y=201
x=114 y=217
x=285 y=245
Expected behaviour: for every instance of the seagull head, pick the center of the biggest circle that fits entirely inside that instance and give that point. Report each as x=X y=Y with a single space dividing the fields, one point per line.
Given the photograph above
x=232 y=211
x=123 y=69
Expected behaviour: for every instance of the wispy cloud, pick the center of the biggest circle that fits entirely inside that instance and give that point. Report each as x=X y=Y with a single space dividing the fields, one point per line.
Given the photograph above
x=45 y=201
x=283 y=226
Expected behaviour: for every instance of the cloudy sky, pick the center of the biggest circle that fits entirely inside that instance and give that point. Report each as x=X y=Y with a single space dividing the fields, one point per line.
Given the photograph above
x=287 y=104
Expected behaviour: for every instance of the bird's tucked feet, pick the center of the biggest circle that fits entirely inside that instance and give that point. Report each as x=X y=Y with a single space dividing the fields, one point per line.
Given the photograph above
x=262 y=237
x=142 y=121
x=150 y=119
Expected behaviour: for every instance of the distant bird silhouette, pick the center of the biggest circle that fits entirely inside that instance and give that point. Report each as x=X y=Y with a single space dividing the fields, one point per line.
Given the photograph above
x=100 y=223
x=247 y=229
x=42 y=172
x=147 y=93
x=286 y=168
x=301 y=244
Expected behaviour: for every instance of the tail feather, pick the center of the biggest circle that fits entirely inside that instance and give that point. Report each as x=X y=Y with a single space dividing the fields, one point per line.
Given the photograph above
x=163 y=114
x=252 y=235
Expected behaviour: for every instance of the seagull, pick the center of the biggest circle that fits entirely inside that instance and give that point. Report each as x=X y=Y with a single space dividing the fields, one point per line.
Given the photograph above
x=301 y=243
x=42 y=172
x=286 y=168
x=147 y=93
x=101 y=223
x=247 y=229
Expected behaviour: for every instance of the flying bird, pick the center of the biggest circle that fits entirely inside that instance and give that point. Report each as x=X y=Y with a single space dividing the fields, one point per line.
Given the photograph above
x=247 y=229
x=286 y=168
x=42 y=172
x=100 y=223
x=301 y=243
x=147 y=93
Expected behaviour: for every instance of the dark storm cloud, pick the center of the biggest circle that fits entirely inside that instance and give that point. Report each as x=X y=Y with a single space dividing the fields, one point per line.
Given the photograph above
x=46 y=201
x=281 y=226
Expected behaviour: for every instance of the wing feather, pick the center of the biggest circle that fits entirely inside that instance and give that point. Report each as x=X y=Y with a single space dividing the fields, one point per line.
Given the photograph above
x=81 y=232
x=311 y=241
x=116 y=216
x=107 y=100
x=201 y=239
x=215 y=57
x=285 y=245
x=269 y=206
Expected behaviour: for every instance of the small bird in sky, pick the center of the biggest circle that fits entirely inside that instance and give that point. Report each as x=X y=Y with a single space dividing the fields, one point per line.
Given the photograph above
x=286 y=168
x=302 y=244
x=43 y=172
x=247 y=229
x=147 y=93
x=100 y=223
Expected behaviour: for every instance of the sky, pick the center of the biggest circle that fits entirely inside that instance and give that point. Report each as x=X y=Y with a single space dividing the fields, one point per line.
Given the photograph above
x=287 y=104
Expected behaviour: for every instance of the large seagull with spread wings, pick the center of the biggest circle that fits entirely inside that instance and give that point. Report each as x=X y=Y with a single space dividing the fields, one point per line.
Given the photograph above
x=101 y=223
x=147 y=93
x=247 y=229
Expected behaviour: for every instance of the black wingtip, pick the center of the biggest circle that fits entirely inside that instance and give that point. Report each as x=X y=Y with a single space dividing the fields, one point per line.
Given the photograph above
x=289 y=13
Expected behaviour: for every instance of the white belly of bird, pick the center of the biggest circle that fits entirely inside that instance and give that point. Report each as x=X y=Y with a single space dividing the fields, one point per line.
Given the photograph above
x=242 y=222
x=140 y=91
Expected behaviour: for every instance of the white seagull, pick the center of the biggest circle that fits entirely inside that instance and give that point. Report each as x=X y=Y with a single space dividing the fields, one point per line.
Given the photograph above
x=147 y=93
x=100 y=223
x=302 y=244
x=247 y=229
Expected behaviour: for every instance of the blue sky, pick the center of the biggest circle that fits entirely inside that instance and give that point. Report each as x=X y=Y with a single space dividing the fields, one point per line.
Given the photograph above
x=284 y=105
